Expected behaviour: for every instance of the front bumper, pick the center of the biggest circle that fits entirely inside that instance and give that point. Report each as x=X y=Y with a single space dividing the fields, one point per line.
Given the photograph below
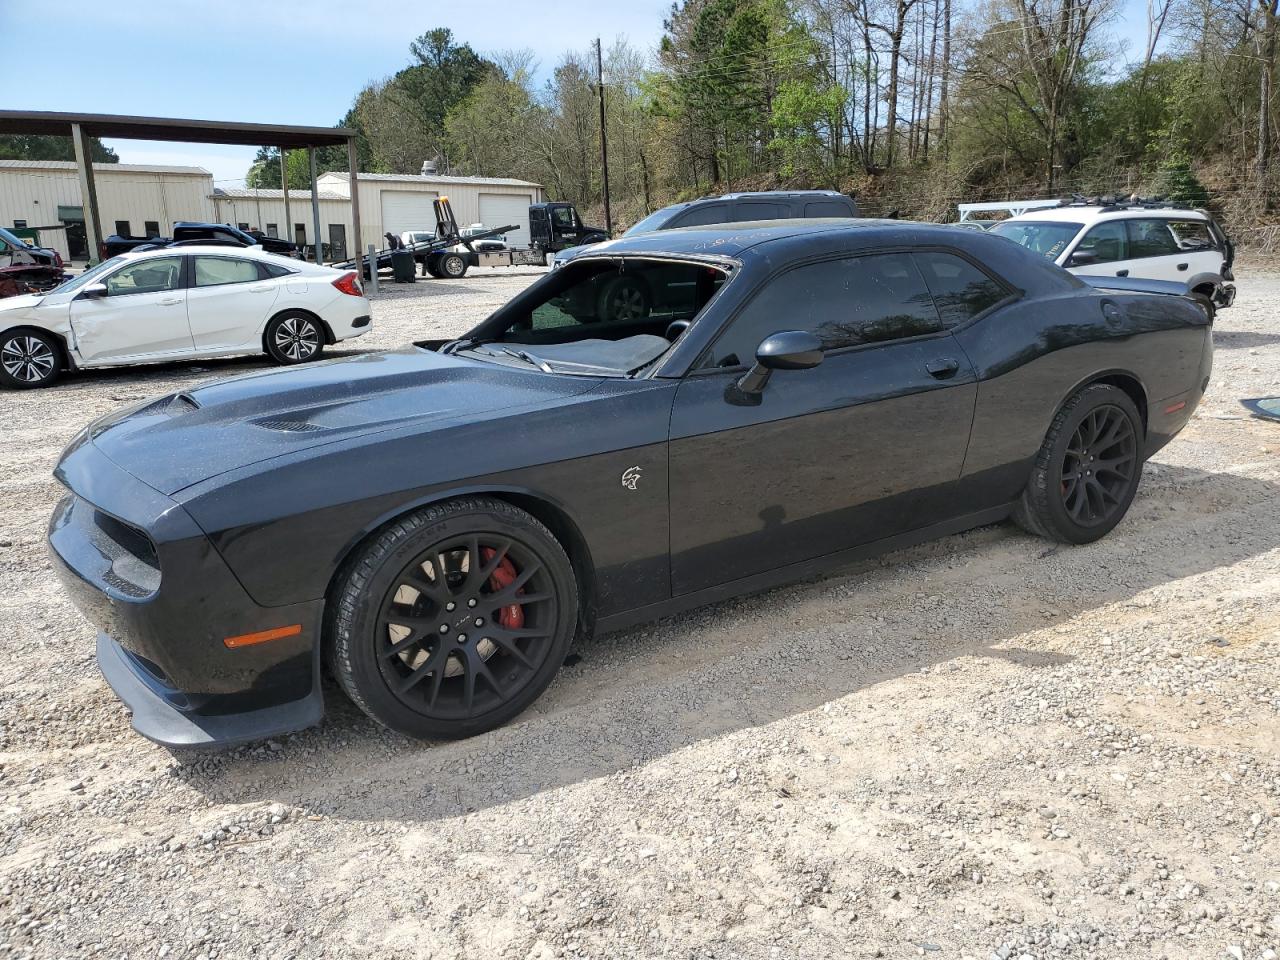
x=140 y=569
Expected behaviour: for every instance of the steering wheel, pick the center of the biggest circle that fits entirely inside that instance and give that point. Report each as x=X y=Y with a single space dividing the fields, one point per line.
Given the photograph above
x=675 y=328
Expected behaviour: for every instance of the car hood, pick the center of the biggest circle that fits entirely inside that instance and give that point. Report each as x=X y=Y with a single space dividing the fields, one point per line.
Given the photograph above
x=175 y=441
x=22 y=302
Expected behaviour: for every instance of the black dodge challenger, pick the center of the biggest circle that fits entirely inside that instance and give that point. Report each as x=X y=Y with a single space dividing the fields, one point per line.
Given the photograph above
x=668 y=420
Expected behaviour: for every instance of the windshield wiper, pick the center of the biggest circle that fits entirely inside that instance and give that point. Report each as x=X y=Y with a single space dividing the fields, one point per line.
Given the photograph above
x=528 y=357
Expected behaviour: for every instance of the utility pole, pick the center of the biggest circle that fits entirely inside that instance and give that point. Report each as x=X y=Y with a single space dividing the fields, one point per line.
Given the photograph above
x=604 y=142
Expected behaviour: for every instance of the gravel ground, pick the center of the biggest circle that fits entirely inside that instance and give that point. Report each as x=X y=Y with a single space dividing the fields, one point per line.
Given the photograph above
x=989 y=746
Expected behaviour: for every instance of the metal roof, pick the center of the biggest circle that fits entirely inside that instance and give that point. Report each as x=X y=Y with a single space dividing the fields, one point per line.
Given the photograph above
x=437 y=179
x=220 y=193
x=70 y=166
x=171 y=129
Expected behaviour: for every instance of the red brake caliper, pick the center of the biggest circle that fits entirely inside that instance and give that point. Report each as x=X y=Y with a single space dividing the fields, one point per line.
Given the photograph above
x=512 y=616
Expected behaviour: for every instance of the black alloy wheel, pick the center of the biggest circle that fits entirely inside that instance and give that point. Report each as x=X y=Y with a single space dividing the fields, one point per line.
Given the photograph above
x=293 y=337
x=1087 y=471
x=1099 y=466
x=455 y=619
x=28 y=359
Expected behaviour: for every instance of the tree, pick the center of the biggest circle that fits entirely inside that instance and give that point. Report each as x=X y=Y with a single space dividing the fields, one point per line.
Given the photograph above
x=26 y=147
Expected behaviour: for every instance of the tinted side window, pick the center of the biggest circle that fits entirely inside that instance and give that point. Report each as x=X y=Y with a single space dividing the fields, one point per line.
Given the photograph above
x=844 y=302
x=960 y=290
x=271 y=271
x=826 y=208
x=759 y=210
x=1105 y=243
x=699 y=216
x=1150 y=238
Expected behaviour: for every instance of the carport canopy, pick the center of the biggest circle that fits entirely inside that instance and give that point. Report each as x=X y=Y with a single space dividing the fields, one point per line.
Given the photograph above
x=81 y=126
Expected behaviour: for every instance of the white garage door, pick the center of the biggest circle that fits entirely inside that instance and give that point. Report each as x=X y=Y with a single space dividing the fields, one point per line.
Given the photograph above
x=407 y=210
x=500 y=209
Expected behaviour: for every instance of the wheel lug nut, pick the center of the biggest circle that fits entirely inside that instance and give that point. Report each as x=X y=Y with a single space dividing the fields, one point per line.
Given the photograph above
x=471 y=602
x=450 y=605
x=444 y=628
x=479 y=622
x=462 y=638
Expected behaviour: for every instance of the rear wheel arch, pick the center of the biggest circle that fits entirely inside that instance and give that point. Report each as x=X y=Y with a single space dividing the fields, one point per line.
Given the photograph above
x=1126 y=381
x=324 y=326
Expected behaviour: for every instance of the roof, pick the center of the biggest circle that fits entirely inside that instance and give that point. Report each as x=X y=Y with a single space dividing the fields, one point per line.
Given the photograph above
x=266 y=194
x=171 y=129
x=1091 y=213
x=733 y=239
x=436 y=179
x=105 y=167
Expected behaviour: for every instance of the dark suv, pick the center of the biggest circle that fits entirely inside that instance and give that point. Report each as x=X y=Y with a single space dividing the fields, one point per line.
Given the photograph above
x=739 y=208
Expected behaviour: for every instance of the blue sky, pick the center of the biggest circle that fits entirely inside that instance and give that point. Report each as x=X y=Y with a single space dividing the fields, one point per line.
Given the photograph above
x=268 y=61
x=284 y=61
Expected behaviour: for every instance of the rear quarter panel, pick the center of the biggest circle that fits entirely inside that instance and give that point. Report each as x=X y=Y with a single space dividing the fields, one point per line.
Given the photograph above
x=1033 y=355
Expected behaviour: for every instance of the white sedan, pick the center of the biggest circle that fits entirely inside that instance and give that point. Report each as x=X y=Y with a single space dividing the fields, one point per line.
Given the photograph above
x=177 y=304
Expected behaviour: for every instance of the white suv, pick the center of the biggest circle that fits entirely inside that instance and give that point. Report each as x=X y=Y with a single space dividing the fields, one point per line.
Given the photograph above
x=1140 y=240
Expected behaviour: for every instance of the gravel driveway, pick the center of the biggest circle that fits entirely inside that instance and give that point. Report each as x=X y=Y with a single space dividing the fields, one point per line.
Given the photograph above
x=989 y=746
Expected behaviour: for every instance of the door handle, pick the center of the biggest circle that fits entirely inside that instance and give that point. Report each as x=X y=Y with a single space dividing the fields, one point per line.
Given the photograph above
x=260 y=287
x=943 y=368
x=1122 y=273
x=1182 y=266
x=170 y=301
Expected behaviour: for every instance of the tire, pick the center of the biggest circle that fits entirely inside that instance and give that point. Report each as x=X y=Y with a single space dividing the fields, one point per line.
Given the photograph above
x=453 y=266
x=430 y=672
x=293 y=337
x=1076 y=494
x=623 y=298
x=1206 y=304
x=29 y=359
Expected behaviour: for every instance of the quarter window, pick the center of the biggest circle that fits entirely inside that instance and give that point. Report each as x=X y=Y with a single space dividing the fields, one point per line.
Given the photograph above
x=1192 y=235
x=1151 y=238
x=960 y=290
x=146 y=276
x=215 y=271
x=1105 y=243
x=825 y=208
x=846 y=303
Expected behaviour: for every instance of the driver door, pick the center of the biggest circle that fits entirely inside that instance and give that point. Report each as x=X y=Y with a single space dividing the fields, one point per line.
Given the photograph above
x=868 y=444
x=143 y=315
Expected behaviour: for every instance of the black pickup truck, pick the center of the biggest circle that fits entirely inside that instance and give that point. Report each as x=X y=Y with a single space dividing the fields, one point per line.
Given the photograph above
x=188 y=232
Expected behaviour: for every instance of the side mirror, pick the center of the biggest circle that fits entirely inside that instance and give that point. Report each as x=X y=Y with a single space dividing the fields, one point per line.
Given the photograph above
x=1083 y=258
x=94 y=291
x=788 y=350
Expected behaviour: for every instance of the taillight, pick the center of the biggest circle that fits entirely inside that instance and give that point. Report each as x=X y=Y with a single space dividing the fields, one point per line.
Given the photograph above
x=102 y=251
x=349 y=283
x=57 y=259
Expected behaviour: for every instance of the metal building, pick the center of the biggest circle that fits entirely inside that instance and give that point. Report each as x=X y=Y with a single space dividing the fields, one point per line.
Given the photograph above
x=394 y=203
x=262 y=209
x=135 y=199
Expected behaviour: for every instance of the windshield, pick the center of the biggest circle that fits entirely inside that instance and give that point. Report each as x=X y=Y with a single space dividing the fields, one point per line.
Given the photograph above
x=597 y=316
x=75 y=283
x=11 y=239
x=1045 y=237
x=653 y=221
